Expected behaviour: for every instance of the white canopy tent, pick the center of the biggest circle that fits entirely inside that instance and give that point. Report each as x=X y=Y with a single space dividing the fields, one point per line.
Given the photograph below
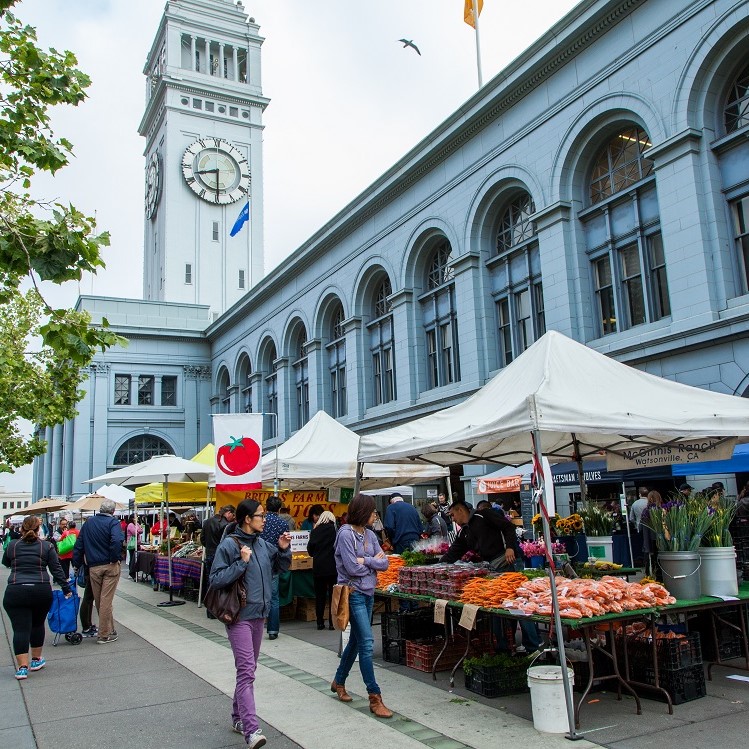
x=564 y=401
x=575 y=397
x=323 y=454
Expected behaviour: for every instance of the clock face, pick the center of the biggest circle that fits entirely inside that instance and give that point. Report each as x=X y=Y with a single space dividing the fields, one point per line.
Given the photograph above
x=216 y=171
x=153 y=185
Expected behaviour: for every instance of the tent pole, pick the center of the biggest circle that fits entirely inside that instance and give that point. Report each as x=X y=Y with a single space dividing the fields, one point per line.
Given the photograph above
x=538 y=470
x=626 y=522
x=171 y=601
x=202 y=556
x=580 y=473
x=358 y=477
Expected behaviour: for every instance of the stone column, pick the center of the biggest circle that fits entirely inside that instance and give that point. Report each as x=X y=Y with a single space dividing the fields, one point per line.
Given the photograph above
x=356 y=366
x=67 y=469
x=235 y=63
x=471 y=321
x=193 y=51
x=48 y=458
x=286 y=400
x=317 y=371
x=408 y=347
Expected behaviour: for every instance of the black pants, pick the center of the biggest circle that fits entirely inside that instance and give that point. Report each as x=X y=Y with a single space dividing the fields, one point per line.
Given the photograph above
x=65 y=564
x=131 y=563
x=86 y=608
x=324 y=594
x=27 y=607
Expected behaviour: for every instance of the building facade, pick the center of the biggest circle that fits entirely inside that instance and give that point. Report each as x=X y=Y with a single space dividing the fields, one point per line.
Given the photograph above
x=598 y=186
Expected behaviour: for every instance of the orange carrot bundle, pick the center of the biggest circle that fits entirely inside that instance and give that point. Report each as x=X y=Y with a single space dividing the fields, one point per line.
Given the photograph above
x=390 y=575
x=489 y=592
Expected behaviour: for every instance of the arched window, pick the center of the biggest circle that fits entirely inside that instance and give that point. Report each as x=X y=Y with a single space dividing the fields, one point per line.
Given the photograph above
x=381 y=348
x=620 y=164
x=623 y=235
x=301 y=379
x=224 y=394
x=271 y=390
x=516 y=279
x=337 y=364
x=140 y=448
x=736 y=110
x=245 y=383
x=440 y=318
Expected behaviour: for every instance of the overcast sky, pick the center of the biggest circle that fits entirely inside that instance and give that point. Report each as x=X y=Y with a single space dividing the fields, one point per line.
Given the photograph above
x=347 y=101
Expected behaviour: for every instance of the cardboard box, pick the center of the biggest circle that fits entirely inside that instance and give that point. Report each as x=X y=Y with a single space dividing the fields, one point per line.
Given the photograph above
x=288 y=612
x=305 y=611
x=301 y=561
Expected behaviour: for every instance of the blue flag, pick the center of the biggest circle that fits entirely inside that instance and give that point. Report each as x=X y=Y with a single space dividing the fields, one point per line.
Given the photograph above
x=244 y=216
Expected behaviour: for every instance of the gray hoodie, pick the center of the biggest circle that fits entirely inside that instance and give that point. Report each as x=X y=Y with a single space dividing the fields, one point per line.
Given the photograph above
x=266 y=560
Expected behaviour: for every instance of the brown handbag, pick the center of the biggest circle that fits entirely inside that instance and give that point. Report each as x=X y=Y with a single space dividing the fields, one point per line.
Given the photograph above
x=227 y=603
x=339 y=610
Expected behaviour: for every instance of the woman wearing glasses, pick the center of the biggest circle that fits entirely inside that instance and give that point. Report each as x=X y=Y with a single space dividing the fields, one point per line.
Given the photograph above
x=256 y=559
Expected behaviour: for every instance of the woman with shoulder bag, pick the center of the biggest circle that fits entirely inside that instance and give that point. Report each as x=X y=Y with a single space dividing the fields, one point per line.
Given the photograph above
x=243 y=552
x=28 y=597
x=358 y=557
x=321 y=548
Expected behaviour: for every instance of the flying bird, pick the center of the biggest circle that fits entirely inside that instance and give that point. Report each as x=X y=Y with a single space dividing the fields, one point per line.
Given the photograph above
x=410 y=43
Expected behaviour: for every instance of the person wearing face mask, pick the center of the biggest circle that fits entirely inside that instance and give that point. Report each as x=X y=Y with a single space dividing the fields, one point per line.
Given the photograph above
x=243 y=551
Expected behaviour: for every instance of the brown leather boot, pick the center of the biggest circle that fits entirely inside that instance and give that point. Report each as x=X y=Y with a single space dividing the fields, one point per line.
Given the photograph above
x=376 y=707
x=340 y=690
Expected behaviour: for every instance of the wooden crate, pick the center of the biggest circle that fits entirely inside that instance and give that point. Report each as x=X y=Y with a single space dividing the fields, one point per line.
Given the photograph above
x=305 y=610
x=300 y=562
x=288 y=612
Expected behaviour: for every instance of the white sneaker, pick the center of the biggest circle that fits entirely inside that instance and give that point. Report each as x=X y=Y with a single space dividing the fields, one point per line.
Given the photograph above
x=256 y=740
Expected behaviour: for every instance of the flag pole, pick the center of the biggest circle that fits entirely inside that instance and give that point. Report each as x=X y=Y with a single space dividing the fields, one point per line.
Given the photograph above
x=478 y=42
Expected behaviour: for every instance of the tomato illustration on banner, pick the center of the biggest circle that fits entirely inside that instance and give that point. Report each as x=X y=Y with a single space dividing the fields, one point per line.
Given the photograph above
x=238 y=439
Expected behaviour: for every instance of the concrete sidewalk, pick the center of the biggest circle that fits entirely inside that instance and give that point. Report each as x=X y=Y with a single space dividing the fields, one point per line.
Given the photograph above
x=166 y=683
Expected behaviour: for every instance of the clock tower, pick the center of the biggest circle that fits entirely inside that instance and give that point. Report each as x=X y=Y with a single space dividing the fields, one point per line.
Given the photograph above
x=203 y=130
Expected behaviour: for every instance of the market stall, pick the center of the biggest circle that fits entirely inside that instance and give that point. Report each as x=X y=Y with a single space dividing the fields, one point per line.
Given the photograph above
x=565 y=401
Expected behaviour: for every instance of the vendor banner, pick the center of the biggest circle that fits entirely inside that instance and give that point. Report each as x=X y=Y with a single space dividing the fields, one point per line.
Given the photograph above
x=298 y=503
x=677 y=453
x=239 y=446
x=499 y=485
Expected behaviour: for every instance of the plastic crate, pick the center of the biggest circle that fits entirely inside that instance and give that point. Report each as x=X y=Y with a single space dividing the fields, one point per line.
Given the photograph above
x=581 y=669
x=495 y=681
x=729 y=639
x=394 y=651
x=673 y=654
x=683 y=685
x=409 y=625
x=421 y=654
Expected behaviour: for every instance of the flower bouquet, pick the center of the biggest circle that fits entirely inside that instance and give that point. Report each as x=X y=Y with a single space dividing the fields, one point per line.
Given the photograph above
x=679 y=524
x=538 y=524
x=597 y=522
x=570 y=525
x=722 y=512
x=538 y=549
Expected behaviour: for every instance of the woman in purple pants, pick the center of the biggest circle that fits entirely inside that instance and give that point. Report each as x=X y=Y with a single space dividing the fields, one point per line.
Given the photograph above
x=243 y=552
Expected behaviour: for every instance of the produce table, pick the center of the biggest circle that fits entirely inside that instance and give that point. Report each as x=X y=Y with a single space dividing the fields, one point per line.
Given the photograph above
x=144 y=563
x=299 y=584
x=182 y=570
x=598 y=634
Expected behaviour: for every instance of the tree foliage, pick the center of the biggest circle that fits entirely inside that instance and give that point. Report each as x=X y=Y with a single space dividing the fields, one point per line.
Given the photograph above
x=43 y=349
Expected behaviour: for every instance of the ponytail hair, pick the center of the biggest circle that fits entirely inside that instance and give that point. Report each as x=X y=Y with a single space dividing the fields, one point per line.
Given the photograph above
x=29 y=528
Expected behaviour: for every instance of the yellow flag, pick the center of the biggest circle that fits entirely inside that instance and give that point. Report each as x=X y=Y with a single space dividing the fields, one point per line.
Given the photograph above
x=468 y=11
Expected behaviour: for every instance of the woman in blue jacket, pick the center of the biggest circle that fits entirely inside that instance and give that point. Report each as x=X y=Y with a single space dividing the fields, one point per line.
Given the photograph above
x=243 y=552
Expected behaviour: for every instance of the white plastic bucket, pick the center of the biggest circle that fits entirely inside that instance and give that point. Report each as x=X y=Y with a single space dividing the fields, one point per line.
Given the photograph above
x=601 y=547
x=718 y=571
x=547 y=698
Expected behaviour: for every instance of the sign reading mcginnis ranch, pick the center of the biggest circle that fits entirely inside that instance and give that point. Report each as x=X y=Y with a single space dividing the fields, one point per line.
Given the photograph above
x=678 y=453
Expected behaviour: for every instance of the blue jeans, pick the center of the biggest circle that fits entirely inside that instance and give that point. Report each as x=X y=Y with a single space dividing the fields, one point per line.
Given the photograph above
x=274 y=618
x=360 y=642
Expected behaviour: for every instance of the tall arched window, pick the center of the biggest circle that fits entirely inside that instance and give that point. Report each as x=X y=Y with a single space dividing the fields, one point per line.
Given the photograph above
x=516 y=279
x=623 y=235
x=440 y=318
x=736 y=110
x=337 y=364
x=245 y=383
x=736 y=117
x=301 y=379
x=140 y=448
x=380 y=329
x=224 y=394
x=271 y=390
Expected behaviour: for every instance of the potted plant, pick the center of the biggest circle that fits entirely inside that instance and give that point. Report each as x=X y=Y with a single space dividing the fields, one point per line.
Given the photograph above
x=717 y=553
x=678 y=526
x=598 y=526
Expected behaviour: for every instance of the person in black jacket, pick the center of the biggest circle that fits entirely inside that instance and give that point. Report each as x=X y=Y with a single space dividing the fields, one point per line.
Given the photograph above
x=211 y=535
x=487 y=532
x=321 y=548
x=28 y=597
x=100 y=543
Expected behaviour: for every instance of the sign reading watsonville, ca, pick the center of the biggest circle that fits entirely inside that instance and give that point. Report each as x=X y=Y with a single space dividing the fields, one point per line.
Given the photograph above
x=677 y=453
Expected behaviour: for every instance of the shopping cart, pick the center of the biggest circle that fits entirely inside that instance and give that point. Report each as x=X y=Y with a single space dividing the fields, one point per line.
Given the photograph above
x=63 y=616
